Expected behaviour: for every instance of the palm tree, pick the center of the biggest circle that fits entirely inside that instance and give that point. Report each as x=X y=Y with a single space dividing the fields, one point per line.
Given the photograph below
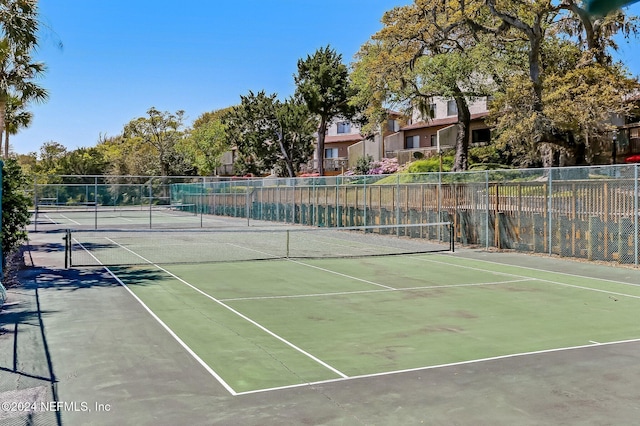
x=16 y=118
x=18 y=38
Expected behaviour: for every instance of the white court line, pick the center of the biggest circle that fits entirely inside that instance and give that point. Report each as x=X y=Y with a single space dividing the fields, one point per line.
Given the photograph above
x=175 y=336
x=166 y=327
x=71 y=220
x=317 y=267
x=342 y=293
x=261 y=327
x=342 y=275
x=535 y=279
x=433 y=367
x=51 y=220
x=547 y=271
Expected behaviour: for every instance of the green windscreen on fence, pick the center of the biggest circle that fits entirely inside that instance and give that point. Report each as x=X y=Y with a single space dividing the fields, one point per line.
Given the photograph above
x=591 y=213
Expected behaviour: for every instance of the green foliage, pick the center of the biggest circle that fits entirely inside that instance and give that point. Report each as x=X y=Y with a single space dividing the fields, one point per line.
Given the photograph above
x=205 y=145
x=50 y=154
x=269 y=134
x=323 y=84
x=432 y=164
x=82 y=161
x=15 y=207
x=363 y=165
x=157 y=137
x=18 y=71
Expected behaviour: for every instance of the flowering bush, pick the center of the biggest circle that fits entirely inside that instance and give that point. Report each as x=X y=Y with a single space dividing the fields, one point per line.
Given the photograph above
x=366 y=166
x=384 y=167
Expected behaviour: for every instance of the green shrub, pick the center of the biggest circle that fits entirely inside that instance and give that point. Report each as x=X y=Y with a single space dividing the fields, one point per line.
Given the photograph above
x=15 y=208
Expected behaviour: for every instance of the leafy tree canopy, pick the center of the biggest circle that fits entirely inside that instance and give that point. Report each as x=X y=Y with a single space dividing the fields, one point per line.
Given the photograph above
x=270 y=134
x=324 y=85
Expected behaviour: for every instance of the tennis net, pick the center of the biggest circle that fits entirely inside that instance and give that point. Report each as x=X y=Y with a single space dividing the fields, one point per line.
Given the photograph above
x=122 y=247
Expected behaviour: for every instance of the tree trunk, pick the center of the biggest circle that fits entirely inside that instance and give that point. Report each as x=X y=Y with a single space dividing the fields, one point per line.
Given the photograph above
x=461 y=162
x=3 y=111
x=286 y=157
x=546 y=153
x=322 y=130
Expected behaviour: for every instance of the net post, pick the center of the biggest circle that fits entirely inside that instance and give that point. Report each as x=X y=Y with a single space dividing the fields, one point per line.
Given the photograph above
x=67 y=248
x=452 y=234
x=288 y=232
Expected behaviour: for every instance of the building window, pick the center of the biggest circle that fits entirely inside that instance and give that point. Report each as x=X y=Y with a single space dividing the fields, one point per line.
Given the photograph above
x=434 y=140
x=412 y=142
x=344 y=127
x=391 y=125
x=331 y=153
x=452 y=108
x=481 y=136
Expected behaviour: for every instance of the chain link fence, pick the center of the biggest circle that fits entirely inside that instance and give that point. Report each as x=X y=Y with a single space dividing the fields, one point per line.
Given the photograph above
x=582 y=212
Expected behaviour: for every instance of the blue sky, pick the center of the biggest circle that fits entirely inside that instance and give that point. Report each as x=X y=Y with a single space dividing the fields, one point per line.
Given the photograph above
x=121 y=57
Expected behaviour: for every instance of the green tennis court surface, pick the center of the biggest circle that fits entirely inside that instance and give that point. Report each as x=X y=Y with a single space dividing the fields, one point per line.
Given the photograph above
x=263 y=325
x=90 y=217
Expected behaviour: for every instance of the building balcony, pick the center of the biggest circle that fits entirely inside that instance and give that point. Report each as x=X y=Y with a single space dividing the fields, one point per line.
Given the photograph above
x=406 y=155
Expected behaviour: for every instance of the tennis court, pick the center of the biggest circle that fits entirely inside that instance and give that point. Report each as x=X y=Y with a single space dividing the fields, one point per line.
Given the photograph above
x=271 y=315
x=58 y=217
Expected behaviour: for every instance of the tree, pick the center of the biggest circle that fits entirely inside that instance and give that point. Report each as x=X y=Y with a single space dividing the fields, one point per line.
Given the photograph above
x=558 y=40
x=50 y=153
x=206 y=142
x=18 y=38
x=323 y=83
x=425 y=50
x=158 y=136
x=15 y=208
x=16 y=117
x=270 y=134
x=82 y=161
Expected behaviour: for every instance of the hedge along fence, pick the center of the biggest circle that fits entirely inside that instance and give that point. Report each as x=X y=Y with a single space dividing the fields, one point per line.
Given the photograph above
x=588 y=213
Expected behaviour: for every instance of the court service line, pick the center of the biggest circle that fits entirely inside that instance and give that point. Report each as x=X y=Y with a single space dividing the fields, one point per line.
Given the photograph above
x=536 y=279
x=547 y=271
x=241 y=315
x=69 y=219
x=438 y=366
x=51 y=220
x=166 y=327
x=343 y=293
x=319 y=268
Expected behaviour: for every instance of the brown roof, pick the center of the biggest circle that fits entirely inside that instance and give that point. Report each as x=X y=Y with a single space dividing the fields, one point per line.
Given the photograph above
x=353 y=137
x=441 y=121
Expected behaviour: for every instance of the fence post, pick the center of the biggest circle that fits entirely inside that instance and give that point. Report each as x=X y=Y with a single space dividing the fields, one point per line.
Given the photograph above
x=35 y=203
x=246 y=200
x=95 y=202
x=549 y=208
x=397 y=204
x=636 y=216
x=486 y=222
x=150 y=202
x=364 y=201
x=200 y=200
